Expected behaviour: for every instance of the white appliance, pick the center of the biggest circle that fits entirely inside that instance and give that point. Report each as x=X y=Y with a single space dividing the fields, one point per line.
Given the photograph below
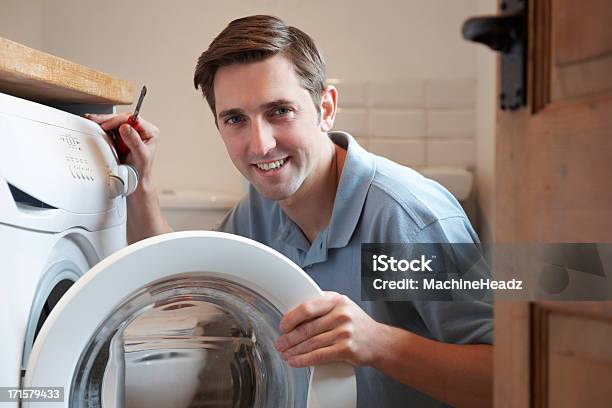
x=62 y=210
x=193 y=320
x=168 y=322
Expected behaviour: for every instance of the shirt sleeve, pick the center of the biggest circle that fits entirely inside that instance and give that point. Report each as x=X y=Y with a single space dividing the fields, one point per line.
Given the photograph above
x=463 y=321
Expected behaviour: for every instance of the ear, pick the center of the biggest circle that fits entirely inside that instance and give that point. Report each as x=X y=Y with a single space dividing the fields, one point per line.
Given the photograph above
x=329 y=103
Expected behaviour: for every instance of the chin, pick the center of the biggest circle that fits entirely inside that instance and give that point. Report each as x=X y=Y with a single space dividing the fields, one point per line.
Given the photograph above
x=279 y=191
x=275 y=194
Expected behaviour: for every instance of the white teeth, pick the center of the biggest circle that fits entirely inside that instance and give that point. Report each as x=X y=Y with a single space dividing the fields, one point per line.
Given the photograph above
x=271 y=165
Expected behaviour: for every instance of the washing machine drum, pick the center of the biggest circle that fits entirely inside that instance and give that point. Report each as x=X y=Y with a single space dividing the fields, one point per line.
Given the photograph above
x=187 y=319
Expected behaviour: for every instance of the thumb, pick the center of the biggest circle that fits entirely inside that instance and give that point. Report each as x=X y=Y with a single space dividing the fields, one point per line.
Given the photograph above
x=131 y=138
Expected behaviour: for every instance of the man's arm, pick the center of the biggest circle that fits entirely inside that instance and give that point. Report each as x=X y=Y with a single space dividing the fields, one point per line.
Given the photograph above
x=333 y=328
x=460 y=375
x=145 y=218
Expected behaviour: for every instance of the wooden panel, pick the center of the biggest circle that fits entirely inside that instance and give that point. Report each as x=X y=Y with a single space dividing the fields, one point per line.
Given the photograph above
x=592 y=310
x=539 y=356
x=539 y=54
x=580 y=360
x=565 y=154
x=510 y=128
x=547 y=351
x=42 y=77
x=581 y=48
x=553 y=174
x=582 y=30
x=512 y=355
x=570 y=345
x=584 y=79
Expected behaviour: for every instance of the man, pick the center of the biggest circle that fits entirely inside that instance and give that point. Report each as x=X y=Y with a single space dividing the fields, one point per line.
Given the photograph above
x=315 y=196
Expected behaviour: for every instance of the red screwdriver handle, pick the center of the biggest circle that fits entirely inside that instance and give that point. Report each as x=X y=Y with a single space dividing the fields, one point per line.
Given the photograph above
x=134 y=122
x=122 y=149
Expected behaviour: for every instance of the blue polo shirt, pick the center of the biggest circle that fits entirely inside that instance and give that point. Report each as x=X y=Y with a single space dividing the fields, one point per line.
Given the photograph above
x=377 y=201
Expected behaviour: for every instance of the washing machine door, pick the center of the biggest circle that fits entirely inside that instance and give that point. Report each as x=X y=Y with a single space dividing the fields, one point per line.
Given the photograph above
x=182 y=320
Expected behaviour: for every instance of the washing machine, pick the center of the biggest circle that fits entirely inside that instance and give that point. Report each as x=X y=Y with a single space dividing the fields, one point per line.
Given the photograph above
x=62 y=210
x=180 y=320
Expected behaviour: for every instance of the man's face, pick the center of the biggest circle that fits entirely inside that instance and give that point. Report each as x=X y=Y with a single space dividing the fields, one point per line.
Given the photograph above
x=269 y=125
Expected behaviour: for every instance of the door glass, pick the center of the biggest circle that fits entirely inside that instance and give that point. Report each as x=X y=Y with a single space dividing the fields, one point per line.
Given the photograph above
x=53 y=284
x=193 y=341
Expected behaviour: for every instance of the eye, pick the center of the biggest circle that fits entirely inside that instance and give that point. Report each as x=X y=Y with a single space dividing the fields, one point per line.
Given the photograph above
x=233 y=120
x=281 y=111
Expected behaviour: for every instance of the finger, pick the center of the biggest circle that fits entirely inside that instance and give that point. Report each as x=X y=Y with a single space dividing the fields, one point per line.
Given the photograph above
x=146 y=129
x=107 y=121
x=99 y=117
x=307 y=311
x=304 y=331
x=115 y=121
x=338 y=317
x=319 y=341
x=324 y=355
x=132 y=139
x=112 y=121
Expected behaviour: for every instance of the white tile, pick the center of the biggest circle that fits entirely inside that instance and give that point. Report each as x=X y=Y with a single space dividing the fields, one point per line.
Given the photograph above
x=450 y=92
x=353 y=121
x=449 y=152
x=406 y=152
x=407 y=93
x=397 y=123
x=451 y=123
x=351 y=94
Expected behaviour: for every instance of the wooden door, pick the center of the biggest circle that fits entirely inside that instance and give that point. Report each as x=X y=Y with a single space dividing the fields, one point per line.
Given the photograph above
x=554 y=184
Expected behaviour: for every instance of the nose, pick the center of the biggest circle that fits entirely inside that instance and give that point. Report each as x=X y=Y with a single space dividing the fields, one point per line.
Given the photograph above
x=262 y=138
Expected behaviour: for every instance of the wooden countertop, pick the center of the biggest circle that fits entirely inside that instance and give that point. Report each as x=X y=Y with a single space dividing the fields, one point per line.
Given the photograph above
x=42 y=77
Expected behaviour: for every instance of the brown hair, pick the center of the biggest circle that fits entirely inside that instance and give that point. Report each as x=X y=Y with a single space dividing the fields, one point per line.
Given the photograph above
x=253 y=39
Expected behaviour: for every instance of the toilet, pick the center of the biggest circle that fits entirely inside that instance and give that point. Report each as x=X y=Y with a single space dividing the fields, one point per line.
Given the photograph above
x=460 y=183
x=189 y=210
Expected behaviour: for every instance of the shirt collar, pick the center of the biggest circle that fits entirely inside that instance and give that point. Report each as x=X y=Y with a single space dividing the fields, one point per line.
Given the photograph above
x=355 y=181
x=357 y=175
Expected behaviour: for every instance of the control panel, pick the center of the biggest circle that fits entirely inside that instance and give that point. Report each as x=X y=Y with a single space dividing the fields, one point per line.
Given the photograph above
x=60 y=159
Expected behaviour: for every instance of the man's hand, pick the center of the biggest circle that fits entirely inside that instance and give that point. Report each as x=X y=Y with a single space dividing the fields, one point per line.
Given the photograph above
x=145 y=218
x=142 y=143
x=328 y=329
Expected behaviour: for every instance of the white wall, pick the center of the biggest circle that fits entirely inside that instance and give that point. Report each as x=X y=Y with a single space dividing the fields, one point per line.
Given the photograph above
x=418 y=122
x=157 y=43
x=22 y=21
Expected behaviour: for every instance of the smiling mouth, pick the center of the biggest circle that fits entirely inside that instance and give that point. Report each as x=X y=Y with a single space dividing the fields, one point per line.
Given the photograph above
x=273 y=165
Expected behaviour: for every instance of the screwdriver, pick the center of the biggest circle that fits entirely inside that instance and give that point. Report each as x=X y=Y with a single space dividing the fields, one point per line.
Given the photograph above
x=133 y=121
